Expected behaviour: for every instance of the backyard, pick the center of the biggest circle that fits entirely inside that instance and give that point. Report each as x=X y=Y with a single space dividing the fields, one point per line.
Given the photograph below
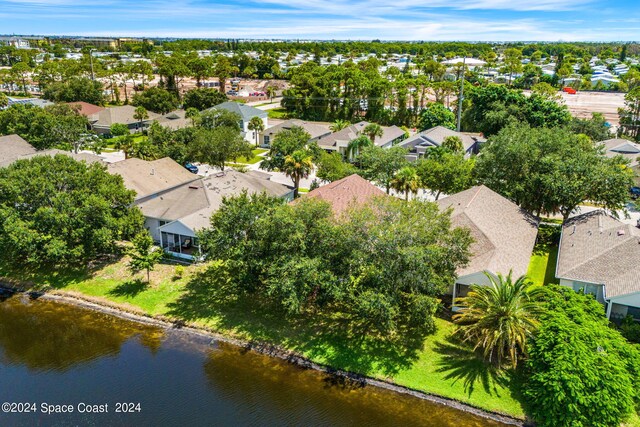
x=439 y=364
x=542 y=267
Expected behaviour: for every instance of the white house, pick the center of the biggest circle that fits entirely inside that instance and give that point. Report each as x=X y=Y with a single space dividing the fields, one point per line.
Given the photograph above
x=504 y=236
x=246 y=113
x=601 y=256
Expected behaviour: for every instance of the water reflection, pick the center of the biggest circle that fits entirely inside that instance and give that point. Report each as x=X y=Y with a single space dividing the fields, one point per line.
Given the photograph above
x=301 y=395
x=43 y=335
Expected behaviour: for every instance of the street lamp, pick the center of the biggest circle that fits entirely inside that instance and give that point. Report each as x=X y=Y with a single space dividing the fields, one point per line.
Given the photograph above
x=93 y=77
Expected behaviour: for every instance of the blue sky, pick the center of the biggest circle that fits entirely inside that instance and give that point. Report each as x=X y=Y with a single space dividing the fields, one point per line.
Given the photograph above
x=500 y=20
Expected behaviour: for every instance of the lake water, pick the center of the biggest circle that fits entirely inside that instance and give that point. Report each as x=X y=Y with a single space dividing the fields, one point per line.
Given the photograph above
x=56 y=354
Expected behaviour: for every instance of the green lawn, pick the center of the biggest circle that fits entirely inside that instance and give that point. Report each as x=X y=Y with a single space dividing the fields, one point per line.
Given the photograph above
x=112 y=141
x=437 y=364
x=542 y=267
x=255 y=159
x=278 y=113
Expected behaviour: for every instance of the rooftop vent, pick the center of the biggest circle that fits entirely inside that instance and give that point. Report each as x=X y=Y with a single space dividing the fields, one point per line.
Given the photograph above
x=621 y=233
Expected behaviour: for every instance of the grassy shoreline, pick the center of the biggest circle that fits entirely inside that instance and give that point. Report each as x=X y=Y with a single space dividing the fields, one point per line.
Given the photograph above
x=439 y=365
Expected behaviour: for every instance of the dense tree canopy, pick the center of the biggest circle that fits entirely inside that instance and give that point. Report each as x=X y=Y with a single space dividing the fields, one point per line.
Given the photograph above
x=384 y=265
x=157 y=100
x=436 y=114
x=59 y=212
x=581 y=372
x=549 y=171
x=494 y=106
x=75 y=89
x=43 y=127
x=203 y=98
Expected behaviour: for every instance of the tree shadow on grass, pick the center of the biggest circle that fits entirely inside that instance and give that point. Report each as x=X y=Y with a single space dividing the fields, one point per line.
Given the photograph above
x=328 y=336
x=130 y=288
x=461 y=363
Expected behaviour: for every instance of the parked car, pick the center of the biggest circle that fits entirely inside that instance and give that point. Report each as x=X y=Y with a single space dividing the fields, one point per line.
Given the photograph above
x=635 y=192
x=191 y=167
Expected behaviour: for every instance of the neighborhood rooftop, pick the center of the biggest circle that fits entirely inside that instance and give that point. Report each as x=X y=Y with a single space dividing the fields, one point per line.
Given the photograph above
x=147 y=178
x=13 y=148
x=341 y=139
x=597 y=248
x=245 y=112
x=346 y=192
x=504 y=233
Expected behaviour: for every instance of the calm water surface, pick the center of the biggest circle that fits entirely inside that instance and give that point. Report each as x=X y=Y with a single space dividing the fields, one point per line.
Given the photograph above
x=58 y=354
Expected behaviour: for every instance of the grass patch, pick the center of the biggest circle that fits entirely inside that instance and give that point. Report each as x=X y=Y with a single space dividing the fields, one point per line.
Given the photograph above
x=303 y=190
x=278 y=113
x=542 y=266
x=437 y=363
x=253 y=160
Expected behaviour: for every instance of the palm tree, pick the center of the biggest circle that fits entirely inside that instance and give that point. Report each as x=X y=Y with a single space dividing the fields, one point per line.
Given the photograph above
x=256 y=125
x=296 y=166
x=140 y=114
x=453 y=143
x=193 y=114
x=271 y=92
x=372 y=130
x=499 y=318
x=353 y=149
x=339 y=125
x=406 y=181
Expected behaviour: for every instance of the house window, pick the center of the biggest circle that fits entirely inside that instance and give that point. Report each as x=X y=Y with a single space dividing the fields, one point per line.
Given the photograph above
x=266 y=140
x=161 y=223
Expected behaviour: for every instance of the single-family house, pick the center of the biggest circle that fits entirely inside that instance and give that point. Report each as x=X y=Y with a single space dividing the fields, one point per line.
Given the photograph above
x=13 y=148
x=315 y=129
x=419 y=143
x=600 y=255
x=176 y=203
x=175 y=120
x=503 y=236
x=102 y=120
x=339 y=141
x=36 y=102
x=346 y=192
x=246 y=113
x=85 y=108
x=627 y=149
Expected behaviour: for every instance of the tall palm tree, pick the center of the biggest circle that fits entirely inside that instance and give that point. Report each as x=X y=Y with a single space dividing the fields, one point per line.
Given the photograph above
x=406 y=181
x=499 y=318
x=271 y=92
x=372 y=130
x=140 y=114
x=296 y=166
x=354 y=147
x=256 y=125
x=339 y=125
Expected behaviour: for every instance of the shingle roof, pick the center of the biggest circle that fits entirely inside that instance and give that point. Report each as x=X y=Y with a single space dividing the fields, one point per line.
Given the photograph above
x=597 y=248
x=316 y=130
x=346 y=192
x=348 y=134
x=123 y=114
x=435 y=136
x=246 y=112
x=85 y=108
x=175 y=120
x=229 y=183
x=147 y=178
x=12 y=147
x=504 y=234
x=622 y=147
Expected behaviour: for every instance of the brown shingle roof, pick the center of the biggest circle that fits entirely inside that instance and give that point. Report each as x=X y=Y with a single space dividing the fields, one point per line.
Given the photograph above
x=316 y=130
x=504 y=234
x=597 y=248
x=85 y=108
x=344 y=136
x=345 y=192
x=123 y=115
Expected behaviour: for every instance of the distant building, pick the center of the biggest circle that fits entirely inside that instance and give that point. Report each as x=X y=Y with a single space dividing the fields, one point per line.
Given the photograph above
x=339 y=141
x=315 y=129
x=246 y=113
x=419 y=143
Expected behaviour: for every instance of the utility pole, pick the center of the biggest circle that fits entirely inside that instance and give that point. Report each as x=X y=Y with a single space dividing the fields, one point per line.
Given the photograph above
x=461 y=95
x=93 y=77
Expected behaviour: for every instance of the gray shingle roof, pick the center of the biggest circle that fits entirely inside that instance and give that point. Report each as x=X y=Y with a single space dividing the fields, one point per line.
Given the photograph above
x=504 y=235
x=623 y=147
x=348 y=134
x=597 y=248
x=12 y=147
x=147 y=178
x=435 y=136
x=246 y=112
x=123 y=114
x=316 y=130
